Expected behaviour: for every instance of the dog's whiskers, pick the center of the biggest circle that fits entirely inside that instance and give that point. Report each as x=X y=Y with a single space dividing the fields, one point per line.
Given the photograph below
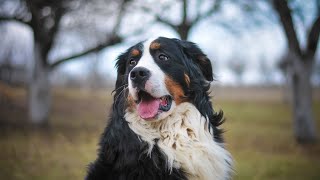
x=121 y=93
x=120 y=87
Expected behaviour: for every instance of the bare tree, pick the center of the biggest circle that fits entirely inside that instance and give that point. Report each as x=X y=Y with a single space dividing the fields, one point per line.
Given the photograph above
x=298 y=66
x=190 y=17
x=44 y=18
x=298 y=61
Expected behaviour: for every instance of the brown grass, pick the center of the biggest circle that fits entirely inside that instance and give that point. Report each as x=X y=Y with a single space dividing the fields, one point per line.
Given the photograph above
x=258 y=134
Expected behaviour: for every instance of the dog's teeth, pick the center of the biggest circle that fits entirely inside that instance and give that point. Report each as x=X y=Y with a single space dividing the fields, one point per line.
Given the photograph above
x=162 y=99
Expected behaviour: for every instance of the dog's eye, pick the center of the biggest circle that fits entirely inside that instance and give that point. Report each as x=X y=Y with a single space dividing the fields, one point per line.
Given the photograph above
x=163 y=57
x=132 y=62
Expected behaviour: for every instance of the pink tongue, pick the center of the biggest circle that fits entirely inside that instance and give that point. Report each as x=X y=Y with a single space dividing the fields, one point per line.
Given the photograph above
x=148 y=109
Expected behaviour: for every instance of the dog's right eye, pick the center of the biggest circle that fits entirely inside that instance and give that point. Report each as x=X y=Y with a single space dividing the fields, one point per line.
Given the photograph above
x=132 y=62
x=163 y=57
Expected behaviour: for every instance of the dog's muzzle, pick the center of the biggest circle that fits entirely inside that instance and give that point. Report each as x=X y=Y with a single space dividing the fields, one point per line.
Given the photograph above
x=149 y=105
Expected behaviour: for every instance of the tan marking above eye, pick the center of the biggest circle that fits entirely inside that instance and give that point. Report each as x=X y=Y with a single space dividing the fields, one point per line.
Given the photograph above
x=135 y=52
x=155 y=45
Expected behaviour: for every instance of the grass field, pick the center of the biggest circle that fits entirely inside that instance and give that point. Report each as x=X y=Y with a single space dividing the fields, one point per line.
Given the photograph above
x=258 y=134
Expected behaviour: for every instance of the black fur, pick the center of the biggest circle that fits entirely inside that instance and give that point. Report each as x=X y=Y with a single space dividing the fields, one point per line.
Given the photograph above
x=122 y=155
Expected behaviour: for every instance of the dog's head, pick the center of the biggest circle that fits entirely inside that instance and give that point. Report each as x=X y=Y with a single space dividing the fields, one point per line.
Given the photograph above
x=157 y=75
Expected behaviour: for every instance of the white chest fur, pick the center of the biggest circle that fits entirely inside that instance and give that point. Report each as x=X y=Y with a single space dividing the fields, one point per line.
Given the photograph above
x=185 y=139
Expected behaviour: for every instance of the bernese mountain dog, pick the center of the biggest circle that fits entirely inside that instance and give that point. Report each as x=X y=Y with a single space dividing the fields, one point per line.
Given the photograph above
x=162 y=124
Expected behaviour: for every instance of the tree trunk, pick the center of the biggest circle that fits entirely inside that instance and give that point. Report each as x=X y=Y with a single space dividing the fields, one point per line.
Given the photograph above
x=39 y=89
x=303 y=121
x=184 y=30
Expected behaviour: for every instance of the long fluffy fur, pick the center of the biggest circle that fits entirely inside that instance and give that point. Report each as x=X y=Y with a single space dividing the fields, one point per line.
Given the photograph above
x=187 y=142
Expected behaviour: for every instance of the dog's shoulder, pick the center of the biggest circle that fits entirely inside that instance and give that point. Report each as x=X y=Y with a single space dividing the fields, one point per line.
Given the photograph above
x=122 y=155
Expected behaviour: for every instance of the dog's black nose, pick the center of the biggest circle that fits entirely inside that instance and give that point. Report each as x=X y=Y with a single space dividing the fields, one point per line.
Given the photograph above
x=139 y=75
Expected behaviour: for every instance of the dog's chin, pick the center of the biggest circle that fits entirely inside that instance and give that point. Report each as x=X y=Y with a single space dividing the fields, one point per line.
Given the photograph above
x=151 y=108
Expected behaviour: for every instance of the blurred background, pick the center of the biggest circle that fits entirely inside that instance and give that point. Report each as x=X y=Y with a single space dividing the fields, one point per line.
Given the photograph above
x=57 y=73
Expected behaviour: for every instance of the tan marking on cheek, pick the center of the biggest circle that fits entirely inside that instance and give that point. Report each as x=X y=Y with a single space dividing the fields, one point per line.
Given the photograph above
x=175 y=90
x=155 y=45
x=187 y=79
x=131 y=105
x=135 y=52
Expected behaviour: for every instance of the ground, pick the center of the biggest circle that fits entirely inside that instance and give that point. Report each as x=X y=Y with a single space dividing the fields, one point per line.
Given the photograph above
x=258 y=133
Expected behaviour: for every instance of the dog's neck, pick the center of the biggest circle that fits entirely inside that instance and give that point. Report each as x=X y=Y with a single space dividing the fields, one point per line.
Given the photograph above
x=187 y=142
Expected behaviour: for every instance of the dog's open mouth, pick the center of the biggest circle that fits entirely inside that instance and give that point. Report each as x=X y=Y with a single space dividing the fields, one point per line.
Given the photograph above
x=149 y=107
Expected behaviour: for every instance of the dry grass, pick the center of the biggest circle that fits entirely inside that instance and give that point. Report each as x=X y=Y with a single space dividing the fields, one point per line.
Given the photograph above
x=258 y=133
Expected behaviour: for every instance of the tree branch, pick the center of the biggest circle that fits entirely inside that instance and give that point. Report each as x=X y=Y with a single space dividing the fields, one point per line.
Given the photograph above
x=185 y=12
x=313 y=38
x=20 y=20
x=284 y=12
x=208 y=13
x=119 y=18
x=110 y=42
x=166 y=22
x=159 y=18
x=115 y=39
x=54 y=30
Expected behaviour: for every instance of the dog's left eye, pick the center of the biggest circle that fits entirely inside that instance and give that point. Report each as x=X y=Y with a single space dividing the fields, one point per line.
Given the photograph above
x=132 y=62
x=163 y=57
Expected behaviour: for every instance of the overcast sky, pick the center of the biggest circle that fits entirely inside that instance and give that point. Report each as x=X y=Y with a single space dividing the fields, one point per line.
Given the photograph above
x=220 y=44
x=251 y=46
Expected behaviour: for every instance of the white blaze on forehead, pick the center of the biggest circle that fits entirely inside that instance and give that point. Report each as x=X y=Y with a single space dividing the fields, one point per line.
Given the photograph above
x=156 y=83
x=147 y=60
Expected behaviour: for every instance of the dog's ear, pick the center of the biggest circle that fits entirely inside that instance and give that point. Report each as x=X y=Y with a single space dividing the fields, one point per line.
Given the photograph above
x=121 y=69
x=198 y=57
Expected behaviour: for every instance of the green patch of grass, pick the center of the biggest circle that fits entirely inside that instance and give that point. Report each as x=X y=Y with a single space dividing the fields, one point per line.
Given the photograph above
x=258 y=135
